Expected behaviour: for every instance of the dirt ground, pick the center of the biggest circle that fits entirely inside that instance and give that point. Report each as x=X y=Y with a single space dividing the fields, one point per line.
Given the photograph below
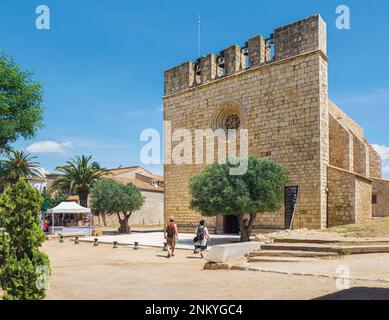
x=375 y=228
x=86 y=272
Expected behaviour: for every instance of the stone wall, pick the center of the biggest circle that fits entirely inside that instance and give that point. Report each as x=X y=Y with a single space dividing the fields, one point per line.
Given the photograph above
x=381 y=191
x=361 y=157
x=375 y=163
x=363 y=196
x=299 y=37
x=341 y=197
x=349 y=198
x=341 y=146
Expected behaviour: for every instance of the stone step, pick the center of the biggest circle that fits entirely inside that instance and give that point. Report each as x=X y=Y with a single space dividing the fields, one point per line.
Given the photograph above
x=297 y=254
x=278 y=259
x=305 y=241
x=300 y=247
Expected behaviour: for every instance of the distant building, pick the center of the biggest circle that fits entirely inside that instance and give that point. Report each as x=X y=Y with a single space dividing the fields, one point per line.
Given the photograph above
x=39 y=183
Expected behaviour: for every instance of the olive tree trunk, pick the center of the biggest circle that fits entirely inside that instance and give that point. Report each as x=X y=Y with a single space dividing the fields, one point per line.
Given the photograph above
x=123 y=222
x=246 y=226
x=104 y=219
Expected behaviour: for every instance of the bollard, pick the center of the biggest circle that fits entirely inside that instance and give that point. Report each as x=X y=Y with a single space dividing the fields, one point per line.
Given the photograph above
x=61 y=240
x=165 y=246
x=115 y=244
x=96 y=243
x=76 y=240
x=136 y=245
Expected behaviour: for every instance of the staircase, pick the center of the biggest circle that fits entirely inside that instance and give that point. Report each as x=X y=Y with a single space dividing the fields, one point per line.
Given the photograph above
x=293 y=252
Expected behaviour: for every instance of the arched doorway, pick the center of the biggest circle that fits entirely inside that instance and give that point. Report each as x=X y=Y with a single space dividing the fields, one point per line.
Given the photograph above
x=230 y=224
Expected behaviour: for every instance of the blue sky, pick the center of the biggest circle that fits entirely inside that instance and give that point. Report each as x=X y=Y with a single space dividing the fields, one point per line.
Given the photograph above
x=102 y=64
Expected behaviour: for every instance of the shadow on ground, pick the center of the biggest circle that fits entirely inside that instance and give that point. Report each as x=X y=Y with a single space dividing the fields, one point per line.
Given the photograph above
x=358 y=293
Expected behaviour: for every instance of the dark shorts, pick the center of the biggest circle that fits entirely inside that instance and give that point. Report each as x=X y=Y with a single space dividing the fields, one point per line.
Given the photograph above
x=171 y=242
x=201 y=247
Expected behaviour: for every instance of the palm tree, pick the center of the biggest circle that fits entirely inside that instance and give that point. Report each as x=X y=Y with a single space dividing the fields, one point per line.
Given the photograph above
x=18 y=164
x=78 y=177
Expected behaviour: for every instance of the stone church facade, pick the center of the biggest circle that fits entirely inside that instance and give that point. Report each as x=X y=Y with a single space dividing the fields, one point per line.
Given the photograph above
x=277 y=89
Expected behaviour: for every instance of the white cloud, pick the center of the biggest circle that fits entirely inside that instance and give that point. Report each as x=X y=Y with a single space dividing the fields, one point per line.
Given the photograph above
x=384 y=153
x=49 y=147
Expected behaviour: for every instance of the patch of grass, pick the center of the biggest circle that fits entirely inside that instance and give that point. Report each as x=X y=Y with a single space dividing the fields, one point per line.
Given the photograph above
x=376 y=228
x=362 y=243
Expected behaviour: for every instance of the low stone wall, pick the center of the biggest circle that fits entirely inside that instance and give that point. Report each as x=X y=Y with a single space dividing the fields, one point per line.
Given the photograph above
x=341 y=197
x=381 y=193
x=363 y=203
x=231 y=251
x=349 y=198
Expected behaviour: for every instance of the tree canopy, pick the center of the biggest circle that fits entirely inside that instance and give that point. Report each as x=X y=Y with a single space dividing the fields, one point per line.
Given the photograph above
x=21 y=101
x=111 y=197
x=79 y=175
x=261 y=189
x=18 y=164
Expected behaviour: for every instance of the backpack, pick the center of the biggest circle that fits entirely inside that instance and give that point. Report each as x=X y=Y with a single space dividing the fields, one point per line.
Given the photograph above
x=170 y=230
x=200 y=233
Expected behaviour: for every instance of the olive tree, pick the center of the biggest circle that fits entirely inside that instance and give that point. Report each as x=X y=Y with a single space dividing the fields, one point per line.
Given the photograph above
x=111 y=197
x=261 y=189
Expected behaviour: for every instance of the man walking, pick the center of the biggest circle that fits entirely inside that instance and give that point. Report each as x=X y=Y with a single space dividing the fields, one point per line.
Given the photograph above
x=170 y=233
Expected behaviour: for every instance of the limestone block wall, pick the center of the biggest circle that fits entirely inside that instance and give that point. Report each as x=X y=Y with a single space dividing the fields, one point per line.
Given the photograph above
x=302 y=36
x=363 y=196
x=341 y=146
x=179 y=78
x=349 y=197
x=361 y=157
x=375 y=163
x=341 y=197
x=381 y=192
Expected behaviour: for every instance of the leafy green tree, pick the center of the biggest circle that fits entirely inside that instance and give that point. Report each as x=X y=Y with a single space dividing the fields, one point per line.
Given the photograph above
x=259 y=190
x=111 y=197
x=25 y=268
x=79 y=175
x=4 y=246
x=19 y=164
x=20 y=103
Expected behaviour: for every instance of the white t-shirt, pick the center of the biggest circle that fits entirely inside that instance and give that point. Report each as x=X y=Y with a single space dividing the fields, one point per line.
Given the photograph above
x=202 y=243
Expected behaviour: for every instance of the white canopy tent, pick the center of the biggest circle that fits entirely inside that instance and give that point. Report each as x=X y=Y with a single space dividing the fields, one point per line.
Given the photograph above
x=68 y=208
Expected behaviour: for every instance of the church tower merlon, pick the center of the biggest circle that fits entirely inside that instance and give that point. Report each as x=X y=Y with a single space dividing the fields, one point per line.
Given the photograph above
x=300 y=37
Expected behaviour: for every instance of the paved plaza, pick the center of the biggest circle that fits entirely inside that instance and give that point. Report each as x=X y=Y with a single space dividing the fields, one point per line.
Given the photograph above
x=155 y=239
x=87 y=272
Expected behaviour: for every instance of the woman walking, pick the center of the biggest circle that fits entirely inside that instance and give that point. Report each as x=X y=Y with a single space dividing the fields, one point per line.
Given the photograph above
x=202 y=238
